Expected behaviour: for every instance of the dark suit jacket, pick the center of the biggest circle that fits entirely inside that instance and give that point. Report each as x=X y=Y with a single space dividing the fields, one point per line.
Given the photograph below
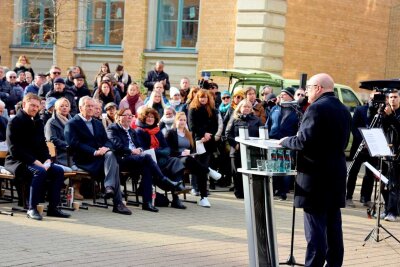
x=26 y=142
x=321 y=141
x=84 y=144
x=120 y=141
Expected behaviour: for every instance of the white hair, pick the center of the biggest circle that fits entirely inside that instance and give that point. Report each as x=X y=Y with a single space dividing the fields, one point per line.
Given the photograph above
x=9 y=73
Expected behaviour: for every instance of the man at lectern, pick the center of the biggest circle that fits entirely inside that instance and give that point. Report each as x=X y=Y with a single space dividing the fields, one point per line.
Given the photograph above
x=321 y=181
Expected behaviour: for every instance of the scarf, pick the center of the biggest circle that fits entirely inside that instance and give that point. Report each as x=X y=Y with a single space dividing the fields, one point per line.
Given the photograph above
x=62 y=119
x=153 y=139
x=224 y=108
x=132 y=100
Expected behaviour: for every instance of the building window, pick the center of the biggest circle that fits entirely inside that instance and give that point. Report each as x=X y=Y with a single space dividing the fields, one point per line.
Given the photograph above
x=37 y=22
x=177 y=24
x=105 y=23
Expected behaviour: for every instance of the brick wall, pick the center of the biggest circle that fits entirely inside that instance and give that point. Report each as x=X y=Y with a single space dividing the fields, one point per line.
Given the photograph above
x=135 y=34
x=347 y=39
x=66 y=37
x=6 y=15
x=216 y=39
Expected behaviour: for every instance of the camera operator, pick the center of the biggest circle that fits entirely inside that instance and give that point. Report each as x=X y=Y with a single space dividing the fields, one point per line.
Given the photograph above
x=391 y=127
x=362 y=117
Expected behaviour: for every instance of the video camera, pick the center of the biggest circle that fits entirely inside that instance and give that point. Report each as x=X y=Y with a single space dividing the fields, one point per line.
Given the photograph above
x=382 y=87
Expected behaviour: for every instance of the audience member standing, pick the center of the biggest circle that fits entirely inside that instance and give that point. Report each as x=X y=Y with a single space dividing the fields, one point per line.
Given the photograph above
x=23 y=64
x=157 y=75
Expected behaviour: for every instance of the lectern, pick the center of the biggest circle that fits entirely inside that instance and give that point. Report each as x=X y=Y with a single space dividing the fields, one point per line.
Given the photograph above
x=258 y=199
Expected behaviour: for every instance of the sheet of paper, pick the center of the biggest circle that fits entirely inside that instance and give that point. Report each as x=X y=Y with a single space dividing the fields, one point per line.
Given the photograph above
x=376 y=142
x=152 y=153
x=376 y=172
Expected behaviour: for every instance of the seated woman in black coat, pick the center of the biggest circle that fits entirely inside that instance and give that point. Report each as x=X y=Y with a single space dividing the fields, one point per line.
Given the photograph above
x=242 y=116
x=181 y=143
x=130 y=156
x=150 y=136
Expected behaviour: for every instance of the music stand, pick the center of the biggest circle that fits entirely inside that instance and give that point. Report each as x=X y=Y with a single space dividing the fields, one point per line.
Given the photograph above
x=377 y=147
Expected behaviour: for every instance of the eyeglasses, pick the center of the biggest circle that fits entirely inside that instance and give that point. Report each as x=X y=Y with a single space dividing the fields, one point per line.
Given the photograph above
x=226 y=97
x=308 y=87
x=56 y=72
x=127 y=115
x=13 y=77
x=300 y=94
x=238 y=96
x=150 y=117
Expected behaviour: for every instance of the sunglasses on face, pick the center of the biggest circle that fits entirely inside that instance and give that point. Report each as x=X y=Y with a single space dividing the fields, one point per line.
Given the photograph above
x=56 y=72
x=300 y=95
x=226 y=97
x=13 y=77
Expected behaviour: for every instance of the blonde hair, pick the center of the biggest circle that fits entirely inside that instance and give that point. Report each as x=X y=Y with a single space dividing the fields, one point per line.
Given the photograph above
x=187 y=133
x=60 y=101
x=151 y=100
x=237 y=111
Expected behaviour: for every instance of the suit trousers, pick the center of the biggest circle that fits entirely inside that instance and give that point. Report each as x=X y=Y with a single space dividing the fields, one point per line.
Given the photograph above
x=323 y=231
x=55 y=176
x=111 y=179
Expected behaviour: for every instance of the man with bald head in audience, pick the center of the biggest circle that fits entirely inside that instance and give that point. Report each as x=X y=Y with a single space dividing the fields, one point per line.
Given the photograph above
x=321 y=181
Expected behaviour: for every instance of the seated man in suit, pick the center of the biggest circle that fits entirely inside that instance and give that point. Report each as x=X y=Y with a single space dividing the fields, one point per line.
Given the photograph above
x=92 y=151
x=28 y=158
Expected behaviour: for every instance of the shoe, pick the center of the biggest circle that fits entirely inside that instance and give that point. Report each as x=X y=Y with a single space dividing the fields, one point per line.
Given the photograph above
x=168 y=182
x=390 y=217
x=383 y=215
x=363 y=199
x=149 y=207
x=239 y=195
x=34 y=214
x=121 y=209
x=231 y=189
x=181 y=189
x=56 y=212
x=109 y=192
x=204 y=203
x=177 y=204
x=212 y=186
x=282 y=198
x=193 y=192
x=350 y=203
x=214 y=174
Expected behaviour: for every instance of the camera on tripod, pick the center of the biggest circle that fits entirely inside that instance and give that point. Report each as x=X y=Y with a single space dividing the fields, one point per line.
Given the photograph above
x=378 y=102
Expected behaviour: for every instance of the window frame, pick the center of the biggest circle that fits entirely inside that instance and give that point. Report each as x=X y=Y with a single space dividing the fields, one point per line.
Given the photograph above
x=24 y=18
x=178 y=37
x=107 y=23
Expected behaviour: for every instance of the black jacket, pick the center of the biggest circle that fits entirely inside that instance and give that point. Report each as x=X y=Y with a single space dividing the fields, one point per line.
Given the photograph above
x=3 y=128
x=68 y=95
x=119 y=139
x=200 y=123
x=26 y=142
x=172 y=140
x=153 y=77
x=84 y=144
x=321 y=140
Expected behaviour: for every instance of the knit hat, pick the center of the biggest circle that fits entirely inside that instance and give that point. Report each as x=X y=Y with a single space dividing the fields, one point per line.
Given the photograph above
x=239 y=91
x=50 y=101
x=59 y=80
x=173 y=91
x=226 y=92
x=289 y=91
x=270 y=97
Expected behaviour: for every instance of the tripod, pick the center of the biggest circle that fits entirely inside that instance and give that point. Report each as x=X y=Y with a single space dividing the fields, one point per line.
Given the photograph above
x=375 y=231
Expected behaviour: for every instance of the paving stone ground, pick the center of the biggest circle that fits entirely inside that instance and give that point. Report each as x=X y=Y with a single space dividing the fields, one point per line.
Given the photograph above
x=193 y=237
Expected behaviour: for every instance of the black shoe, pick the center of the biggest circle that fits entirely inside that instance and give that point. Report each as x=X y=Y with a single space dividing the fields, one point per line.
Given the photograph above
x=231 y=189
x=122 y=209
x=149 y=207
x=177 y=204
x=364 y=199
x=168 y=182
x=239 y=195
x=212 y=186
x=55 y=212
x=34 y=214
x=109 y=192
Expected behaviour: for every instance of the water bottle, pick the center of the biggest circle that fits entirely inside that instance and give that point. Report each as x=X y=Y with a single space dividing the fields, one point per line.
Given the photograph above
x=70 y=197
x=274 y=167
x=280 y=161
x=153 y=196
x=288 y=161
